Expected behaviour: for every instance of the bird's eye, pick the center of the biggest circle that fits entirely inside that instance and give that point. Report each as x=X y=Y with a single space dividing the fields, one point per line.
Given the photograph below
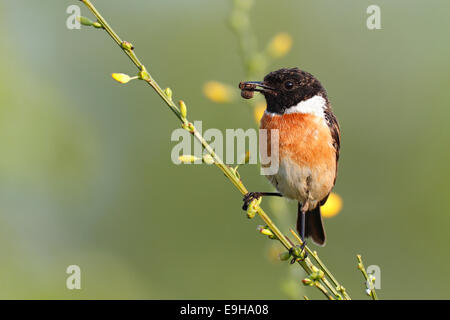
x=288 y=85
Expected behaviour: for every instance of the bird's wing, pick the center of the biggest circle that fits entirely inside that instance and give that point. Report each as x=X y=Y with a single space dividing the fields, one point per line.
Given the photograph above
x=335 y=132
x=333 y=125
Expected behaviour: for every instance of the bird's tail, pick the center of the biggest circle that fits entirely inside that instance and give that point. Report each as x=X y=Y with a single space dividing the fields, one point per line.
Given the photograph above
x=313 y=226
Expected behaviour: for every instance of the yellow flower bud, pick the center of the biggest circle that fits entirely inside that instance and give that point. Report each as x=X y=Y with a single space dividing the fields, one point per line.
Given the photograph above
x=85 y=21
x=168 y=93
x=127 y=46
x=188 y=126
x=307 y=282
x=188 y=159
x=251 y=213
x=97 y=25
x=280 y=45
x=332 y=207
x=218 y=92
x=317 y=275
x=121 y=77
x=266 y=232
x=183 y=109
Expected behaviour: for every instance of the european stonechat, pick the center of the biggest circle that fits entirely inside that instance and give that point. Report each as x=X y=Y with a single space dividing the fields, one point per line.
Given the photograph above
x=309 y=143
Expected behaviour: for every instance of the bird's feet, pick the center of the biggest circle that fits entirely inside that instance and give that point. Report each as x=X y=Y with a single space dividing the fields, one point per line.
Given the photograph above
x=298 y=252
x=249 y=197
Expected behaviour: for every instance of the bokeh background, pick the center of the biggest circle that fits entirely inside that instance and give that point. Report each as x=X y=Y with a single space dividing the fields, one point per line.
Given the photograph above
x=85 y=170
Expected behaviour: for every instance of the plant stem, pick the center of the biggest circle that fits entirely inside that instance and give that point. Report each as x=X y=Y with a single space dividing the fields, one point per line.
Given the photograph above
x=324 y=291
x=228 y=171
x=369 y=282
x=325 y=269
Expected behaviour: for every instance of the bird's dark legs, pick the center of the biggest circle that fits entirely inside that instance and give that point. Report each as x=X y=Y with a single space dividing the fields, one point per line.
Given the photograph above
x=249 y=197
x=301 y=226
x=302 y=221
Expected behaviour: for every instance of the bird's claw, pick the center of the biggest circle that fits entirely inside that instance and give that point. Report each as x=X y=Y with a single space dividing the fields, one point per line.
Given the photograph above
x=299 y=253
x=249 y=197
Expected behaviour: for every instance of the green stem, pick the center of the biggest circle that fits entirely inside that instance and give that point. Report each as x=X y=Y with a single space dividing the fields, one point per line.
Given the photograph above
x=324 y=269
x=361 y=267
x=319 y=286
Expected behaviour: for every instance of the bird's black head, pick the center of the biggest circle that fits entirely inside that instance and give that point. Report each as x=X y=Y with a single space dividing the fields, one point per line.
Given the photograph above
x=285 y=88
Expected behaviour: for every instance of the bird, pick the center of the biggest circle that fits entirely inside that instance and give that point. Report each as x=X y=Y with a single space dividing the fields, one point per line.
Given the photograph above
x=309 y=144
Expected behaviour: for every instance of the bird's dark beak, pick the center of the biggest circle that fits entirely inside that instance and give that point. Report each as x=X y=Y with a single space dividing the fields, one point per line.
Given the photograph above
x=255 y=86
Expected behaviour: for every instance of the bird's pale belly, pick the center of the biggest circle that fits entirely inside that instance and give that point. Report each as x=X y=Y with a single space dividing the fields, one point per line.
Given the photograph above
x=307 y=158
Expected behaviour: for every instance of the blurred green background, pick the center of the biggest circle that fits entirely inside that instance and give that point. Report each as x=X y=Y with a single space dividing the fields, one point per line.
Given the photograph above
x=85 y=170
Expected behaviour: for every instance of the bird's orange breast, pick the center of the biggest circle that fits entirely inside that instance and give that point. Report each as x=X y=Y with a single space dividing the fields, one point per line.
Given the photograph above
x=307 y=158
x=304 y=138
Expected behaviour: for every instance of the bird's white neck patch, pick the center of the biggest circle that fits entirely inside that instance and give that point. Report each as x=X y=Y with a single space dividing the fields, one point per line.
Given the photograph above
x=315 y=105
